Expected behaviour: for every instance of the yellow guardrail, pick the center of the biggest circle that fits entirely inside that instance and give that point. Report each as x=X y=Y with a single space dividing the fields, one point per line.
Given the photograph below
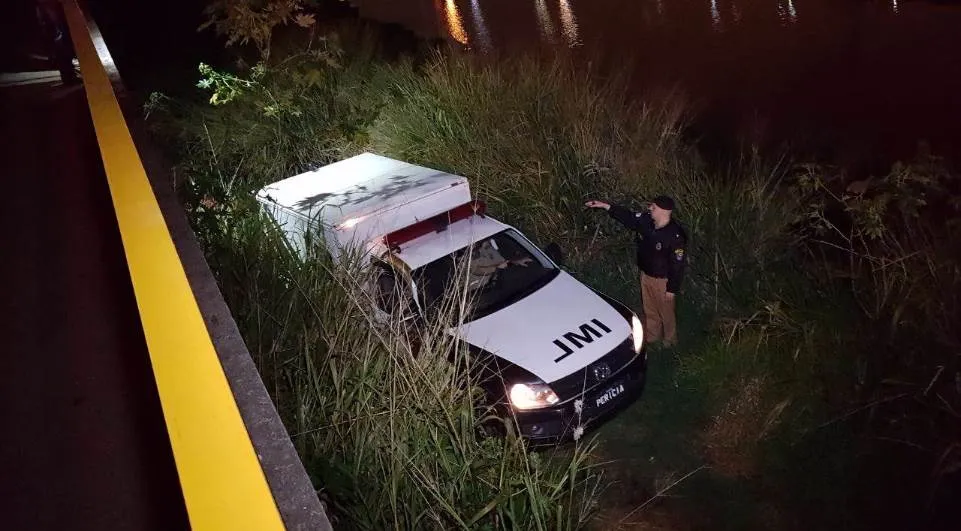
x=223 y=484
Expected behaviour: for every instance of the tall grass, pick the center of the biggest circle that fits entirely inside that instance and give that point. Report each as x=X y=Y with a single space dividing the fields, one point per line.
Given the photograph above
x=535 y=146
x=385 y=416
x=774 y=353
x=539 y=140
x=535 y=139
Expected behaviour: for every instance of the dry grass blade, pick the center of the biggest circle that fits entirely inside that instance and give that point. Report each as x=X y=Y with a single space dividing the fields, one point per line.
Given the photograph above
x=659 y=494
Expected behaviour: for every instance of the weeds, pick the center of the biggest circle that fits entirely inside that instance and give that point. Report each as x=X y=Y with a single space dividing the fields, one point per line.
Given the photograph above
x=385 y=422
x=791 y=279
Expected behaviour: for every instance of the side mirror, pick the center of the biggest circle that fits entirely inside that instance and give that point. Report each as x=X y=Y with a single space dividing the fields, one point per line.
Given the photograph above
x=554 y=252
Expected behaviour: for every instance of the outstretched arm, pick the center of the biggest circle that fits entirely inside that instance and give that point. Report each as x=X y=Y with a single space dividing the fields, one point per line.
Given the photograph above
x=634 y=221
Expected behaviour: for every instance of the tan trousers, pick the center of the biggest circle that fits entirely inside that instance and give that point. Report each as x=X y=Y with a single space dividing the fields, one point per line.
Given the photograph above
x=659 y=321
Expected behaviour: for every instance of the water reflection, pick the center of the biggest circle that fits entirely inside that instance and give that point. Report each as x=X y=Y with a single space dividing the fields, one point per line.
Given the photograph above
x=455 y=26
x=725 y=11
x=544 y=21
x=569 y=21
x=480 y=26
x=831 y=64
x=558 y=23
x=787 y=12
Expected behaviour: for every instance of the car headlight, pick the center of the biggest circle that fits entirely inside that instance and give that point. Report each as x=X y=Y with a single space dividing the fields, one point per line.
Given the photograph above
x=532 y=396
x=637 y=331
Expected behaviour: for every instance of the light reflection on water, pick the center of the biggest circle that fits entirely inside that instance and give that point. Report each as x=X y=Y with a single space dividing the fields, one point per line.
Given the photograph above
x=569 y=21
x=787 y=12
x=544 y=21
x=452 y=20
x=455 y=26
x=861 y=71
x=480 y=27
x=556 y=18
x=723 y=12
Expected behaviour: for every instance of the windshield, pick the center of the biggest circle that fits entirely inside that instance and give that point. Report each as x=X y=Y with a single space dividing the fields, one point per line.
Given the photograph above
x=496 y=272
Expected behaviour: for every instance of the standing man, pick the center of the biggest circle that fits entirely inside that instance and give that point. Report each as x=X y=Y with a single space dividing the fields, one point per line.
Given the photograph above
x=661 y=248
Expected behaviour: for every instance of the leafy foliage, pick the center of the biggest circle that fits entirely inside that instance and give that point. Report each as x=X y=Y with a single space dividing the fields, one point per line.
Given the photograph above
x=894 y=240
x=254 y=22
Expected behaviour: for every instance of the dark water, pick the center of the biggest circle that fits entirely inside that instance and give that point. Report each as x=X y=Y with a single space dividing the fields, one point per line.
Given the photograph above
x=859 y=82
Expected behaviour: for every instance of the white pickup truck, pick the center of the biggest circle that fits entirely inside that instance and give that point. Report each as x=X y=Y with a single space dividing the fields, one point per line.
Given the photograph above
x=566 y=354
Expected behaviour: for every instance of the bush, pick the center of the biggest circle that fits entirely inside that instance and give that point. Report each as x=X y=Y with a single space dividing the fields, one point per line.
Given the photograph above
x=892 y=240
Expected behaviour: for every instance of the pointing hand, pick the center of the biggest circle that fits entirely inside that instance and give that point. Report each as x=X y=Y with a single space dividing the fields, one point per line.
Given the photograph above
x=597 y=204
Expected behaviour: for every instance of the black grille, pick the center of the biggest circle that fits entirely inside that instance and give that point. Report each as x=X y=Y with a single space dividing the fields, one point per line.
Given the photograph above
x=576 y=383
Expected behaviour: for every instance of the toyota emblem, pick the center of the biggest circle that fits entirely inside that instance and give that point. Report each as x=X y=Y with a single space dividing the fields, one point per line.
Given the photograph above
x=601 y=371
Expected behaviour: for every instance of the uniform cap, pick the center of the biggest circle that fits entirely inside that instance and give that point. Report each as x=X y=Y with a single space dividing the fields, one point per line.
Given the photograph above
x=664 y=202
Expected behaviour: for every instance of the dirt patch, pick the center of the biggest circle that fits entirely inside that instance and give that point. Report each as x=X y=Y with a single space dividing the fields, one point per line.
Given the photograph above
x=730 y=441
x=627 y=518
x=634 y=505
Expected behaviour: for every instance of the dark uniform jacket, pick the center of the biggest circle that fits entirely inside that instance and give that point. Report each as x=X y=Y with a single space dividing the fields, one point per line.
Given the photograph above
x=661 y=253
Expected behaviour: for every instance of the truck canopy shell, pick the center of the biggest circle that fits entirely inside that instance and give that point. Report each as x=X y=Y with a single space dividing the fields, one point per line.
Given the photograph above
x=356 y=201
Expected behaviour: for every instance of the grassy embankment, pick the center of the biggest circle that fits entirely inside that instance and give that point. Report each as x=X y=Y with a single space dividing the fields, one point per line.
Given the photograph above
x=812 y=321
